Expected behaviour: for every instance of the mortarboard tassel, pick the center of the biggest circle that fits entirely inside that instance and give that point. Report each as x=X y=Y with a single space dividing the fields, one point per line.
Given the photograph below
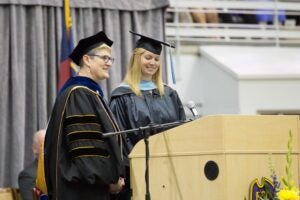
x=172 y=67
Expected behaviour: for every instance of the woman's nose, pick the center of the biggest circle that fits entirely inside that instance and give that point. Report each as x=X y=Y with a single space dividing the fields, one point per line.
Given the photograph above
x=152 y=62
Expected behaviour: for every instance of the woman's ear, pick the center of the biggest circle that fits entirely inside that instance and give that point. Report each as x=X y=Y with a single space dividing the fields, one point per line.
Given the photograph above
x=86 y=60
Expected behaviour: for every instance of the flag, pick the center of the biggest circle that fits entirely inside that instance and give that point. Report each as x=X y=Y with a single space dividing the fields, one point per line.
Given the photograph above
x=66 y=68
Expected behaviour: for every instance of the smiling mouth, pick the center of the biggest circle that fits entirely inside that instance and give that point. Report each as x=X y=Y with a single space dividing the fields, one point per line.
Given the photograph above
x=151 y=67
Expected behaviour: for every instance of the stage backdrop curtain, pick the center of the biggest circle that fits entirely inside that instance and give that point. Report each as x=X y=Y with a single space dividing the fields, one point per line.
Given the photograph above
x=30 y=36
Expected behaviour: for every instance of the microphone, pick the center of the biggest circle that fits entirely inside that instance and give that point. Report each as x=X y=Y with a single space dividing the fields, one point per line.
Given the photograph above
x=192 y=106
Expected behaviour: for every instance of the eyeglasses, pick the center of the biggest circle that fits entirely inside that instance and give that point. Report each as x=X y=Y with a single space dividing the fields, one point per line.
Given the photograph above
x=105 y=58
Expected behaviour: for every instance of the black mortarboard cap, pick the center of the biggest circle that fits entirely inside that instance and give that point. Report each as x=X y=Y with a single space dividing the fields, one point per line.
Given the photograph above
x=150 y=44
x=87 y=44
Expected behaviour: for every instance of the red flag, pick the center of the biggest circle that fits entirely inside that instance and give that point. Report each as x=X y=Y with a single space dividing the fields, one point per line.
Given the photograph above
x=66 y=68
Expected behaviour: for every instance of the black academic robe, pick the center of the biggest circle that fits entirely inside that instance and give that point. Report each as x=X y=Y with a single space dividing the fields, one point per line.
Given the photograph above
x=133 y=111
x=79 y=162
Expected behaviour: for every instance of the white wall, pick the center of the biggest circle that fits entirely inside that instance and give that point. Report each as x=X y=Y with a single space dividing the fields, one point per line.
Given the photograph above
x=236 y=80
x=188 y=80
x=220 y=89
x=199 y=80
x=280 y=94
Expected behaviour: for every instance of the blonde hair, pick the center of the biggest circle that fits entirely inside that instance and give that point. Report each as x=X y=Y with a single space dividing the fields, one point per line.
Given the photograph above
x=134 y=73
x=99 y=48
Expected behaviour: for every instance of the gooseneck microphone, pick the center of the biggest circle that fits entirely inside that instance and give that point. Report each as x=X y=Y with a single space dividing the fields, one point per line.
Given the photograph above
x=192 y=106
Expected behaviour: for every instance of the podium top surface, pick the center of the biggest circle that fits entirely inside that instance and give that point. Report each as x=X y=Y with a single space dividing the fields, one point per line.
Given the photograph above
x=225 y=134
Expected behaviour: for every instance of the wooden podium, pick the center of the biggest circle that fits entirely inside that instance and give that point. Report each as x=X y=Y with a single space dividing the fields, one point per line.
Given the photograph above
x=239 y=145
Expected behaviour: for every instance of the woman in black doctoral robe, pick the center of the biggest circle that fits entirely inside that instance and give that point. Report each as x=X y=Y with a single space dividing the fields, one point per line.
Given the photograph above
x=79 y=163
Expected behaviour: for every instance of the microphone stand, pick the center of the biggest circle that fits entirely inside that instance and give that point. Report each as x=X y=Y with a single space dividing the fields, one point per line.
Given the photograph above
x=146 y=131
x=157 y=126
